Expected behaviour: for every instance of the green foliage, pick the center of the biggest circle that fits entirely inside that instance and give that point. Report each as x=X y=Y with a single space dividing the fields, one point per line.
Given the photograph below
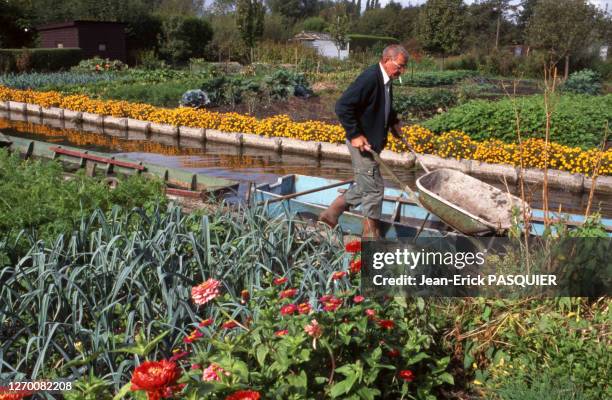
x=184 y=38
x=441 y=26
x=577 y=120
x=99 y=64
x=583 y=82
x=437 y=78
x=540 y=386
x=163 y=94
x=314 y=24
x=361 y=42
x=40 y=59
x=424 y=103
x=353 y=358
x=36 y=197
x=250 y=20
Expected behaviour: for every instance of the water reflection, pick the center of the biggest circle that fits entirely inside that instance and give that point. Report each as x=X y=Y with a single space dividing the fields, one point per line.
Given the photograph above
x=250 y=164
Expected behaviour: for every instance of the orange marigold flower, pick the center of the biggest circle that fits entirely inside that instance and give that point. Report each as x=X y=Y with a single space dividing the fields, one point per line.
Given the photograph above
x=155 y=378
x=244 y=395
x=205 y=292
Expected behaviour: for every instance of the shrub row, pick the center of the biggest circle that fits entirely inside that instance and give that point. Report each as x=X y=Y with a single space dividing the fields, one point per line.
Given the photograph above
x=13 y=60
x=577 y=120
x=437 y=78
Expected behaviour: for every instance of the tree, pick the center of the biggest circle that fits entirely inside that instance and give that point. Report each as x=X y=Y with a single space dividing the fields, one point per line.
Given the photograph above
x=184 y=38
x=339 y=32
x=250 y=21
x=562 y=28
x=388 y=21
x=314 y=24
x=16 y=29
x=294 y=10
x=441 y=26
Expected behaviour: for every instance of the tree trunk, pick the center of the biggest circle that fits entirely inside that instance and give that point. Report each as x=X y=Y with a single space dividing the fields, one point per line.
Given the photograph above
x=566 y=70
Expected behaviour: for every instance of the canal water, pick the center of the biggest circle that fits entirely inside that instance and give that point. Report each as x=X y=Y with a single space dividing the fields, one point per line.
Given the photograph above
x=250 y=164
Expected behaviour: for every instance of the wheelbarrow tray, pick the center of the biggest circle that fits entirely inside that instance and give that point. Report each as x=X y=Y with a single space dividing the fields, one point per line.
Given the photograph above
x=467 y=204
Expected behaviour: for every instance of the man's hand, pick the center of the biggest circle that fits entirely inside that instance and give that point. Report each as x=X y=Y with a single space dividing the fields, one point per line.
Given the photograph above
x=361 y=142
x=396 y=129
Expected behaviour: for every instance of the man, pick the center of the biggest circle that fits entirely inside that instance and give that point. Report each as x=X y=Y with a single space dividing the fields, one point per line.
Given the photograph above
x=366 y=112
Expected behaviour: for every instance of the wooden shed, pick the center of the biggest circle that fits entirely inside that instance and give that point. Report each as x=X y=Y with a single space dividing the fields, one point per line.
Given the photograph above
x=95 y=38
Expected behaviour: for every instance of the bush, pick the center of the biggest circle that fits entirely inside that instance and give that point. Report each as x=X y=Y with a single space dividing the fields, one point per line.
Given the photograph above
x=583 y=82
x=424 y=102
x=364 y=42
x=578 y=120
x=39 y=59
x=98 y=64
x=438 y=78
x=184 y=38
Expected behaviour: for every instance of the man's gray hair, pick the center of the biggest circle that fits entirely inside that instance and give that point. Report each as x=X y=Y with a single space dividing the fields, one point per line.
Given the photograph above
x=394 y=50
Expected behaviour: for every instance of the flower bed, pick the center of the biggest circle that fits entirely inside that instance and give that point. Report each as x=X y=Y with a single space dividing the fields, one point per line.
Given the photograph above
x=533 y=152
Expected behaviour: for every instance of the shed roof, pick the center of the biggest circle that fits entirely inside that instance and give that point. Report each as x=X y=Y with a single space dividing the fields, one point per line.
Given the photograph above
x=309 y=36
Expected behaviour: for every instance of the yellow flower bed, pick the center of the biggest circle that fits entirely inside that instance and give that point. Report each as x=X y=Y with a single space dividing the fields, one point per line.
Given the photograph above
x=453 y=144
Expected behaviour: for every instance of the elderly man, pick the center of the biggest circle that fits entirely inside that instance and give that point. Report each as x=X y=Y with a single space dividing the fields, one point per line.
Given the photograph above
x=365 y=110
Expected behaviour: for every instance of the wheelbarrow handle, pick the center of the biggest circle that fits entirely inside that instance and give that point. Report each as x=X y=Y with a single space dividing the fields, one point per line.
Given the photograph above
x=414 y=153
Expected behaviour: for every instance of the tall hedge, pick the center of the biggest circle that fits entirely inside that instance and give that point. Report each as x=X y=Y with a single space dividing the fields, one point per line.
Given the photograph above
x=40 y=59
x=577 y=120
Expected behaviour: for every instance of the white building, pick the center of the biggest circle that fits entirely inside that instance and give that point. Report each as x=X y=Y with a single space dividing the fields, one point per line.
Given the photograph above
x=323 y=43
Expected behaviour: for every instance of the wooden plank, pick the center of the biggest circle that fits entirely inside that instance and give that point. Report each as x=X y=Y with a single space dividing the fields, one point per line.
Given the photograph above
x=106 y=160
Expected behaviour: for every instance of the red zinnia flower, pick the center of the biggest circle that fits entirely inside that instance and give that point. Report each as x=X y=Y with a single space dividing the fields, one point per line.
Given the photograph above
x=406 y=375
x=288 y=309
x=280 y=281
x=386 y=324
x=193 y=336
x=358 y=299
x=332 y=304
x=355 y=266
x=155 y=378
x=244 y=395
x=280 y=333
x=304 y=308
x=325 y=298
x=5 y=395
x=393 y=353
x=354 y=246
x=205 y=322
x=338 y=275
x=178 y=354
x=205 y=292
x=285 y=294
x=229 y=324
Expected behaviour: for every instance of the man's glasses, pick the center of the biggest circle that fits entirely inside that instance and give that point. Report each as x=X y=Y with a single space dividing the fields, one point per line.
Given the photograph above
x=400 y=66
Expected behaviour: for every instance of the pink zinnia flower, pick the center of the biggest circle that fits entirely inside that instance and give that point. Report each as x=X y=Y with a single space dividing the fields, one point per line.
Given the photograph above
x=314 y=329
x=358 y=299
x=280 y=281
x=212 y=373
x=288 y=309
x=338 y=275
x=282 y=332
x=205 y=292
x=285 y=294
x=370 y=313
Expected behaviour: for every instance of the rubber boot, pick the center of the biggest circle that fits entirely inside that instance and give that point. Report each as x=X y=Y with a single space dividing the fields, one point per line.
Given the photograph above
x=371 y=229
x=333 y=212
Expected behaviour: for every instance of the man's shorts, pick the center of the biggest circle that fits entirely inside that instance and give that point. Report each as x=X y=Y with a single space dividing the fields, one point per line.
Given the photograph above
x=368 y=189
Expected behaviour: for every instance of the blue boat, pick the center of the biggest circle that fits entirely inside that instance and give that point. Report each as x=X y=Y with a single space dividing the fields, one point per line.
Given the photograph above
x=308 y=196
